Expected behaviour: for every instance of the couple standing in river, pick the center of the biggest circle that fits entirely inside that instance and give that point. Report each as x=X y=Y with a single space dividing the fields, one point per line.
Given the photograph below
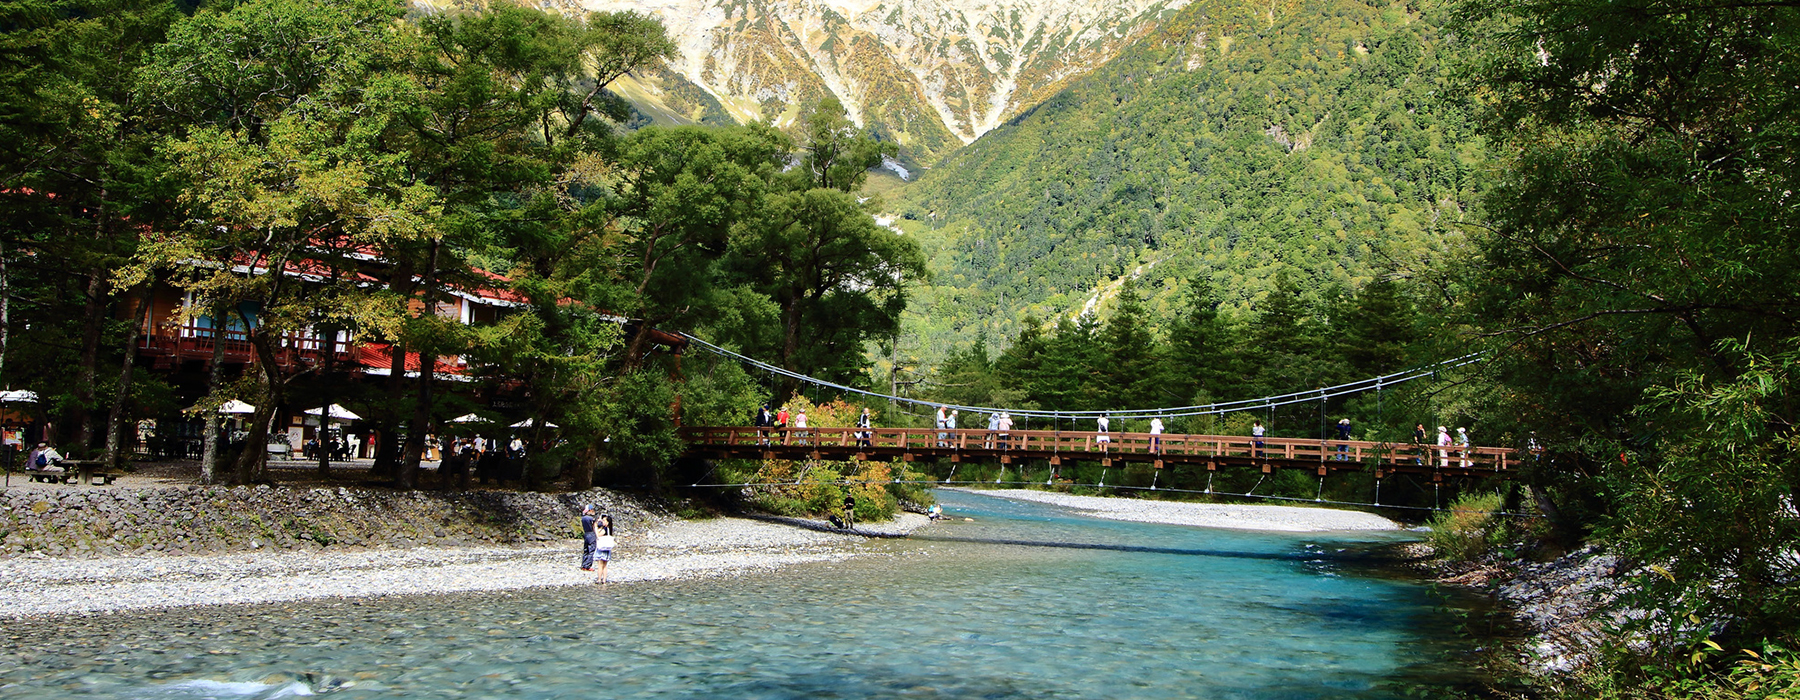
x=596 y=542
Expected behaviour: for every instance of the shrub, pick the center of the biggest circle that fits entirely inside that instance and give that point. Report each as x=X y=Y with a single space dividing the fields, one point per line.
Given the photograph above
x=1469 y=529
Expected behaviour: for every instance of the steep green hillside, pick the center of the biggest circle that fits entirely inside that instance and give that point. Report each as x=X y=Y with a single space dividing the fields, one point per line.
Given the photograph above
x=1236 y=139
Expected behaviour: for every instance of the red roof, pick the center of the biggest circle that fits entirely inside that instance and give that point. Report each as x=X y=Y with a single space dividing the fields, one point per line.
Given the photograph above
x=380 y=356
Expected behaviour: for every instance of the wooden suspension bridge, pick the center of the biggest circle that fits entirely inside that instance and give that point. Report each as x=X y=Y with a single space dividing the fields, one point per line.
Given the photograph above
x=1323 y=457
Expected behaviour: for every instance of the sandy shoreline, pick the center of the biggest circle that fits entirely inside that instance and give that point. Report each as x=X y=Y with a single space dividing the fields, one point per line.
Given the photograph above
x=1220 y=515
x=42 y=587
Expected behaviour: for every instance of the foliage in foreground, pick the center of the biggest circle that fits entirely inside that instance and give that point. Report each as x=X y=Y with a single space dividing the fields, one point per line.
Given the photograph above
x=1635 y=280
x=812 y=489
x=1470 y=529
x=1710 y=672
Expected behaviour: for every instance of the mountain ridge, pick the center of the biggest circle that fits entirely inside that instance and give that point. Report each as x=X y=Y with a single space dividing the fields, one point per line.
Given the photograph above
x=931 y=75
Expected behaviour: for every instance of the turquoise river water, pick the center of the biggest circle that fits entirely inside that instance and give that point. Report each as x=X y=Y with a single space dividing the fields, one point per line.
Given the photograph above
x=1027 y=601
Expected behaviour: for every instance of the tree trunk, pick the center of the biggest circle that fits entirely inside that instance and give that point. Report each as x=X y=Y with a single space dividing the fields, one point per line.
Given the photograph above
x=88 y=369
x=387 y=452
x=209 y=437
x=583 y=478
x=415 y=434
x=115 y=418
x=253 y=462
x=325 y=379
x=5 y=318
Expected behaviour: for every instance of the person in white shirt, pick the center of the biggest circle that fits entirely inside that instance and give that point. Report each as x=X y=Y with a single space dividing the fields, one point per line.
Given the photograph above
x=1462 y=440
x=1156 y=428
x=942 y=420
x=1256 y=436
x=1005 y=425
x=1103 y=425
x=800 y=424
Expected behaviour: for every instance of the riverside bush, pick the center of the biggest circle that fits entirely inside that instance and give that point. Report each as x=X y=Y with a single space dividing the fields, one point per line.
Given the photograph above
x=1469 y=529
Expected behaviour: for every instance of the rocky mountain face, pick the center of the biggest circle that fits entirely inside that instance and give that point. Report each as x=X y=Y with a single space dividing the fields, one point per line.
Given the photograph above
x=931 y=75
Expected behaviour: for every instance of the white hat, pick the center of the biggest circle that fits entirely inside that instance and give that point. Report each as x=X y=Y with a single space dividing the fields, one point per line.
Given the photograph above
x=1462 y=430
x=1443 y=429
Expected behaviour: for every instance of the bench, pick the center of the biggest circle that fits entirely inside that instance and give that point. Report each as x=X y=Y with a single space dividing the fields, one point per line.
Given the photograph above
x=85 y=471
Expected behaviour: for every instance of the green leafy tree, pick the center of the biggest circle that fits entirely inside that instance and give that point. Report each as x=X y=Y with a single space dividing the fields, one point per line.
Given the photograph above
x=77 y=190
x=838 y=278
x=1637 y=278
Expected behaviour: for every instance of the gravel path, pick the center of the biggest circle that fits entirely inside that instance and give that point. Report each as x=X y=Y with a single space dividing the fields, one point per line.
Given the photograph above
x=1231 y=516
x=49 y=587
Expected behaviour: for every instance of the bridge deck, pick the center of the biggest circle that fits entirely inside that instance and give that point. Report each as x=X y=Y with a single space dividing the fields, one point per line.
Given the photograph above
x=1056 y=446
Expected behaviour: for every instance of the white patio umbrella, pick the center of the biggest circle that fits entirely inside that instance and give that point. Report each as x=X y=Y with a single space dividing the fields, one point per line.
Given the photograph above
x=18 y=396
x=338 y=413
x=236 y=406
x=471 y=418
x=528 y=423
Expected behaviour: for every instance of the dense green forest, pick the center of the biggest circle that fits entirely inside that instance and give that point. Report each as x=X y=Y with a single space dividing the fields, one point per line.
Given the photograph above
x=1234 y=141
x=295 y=172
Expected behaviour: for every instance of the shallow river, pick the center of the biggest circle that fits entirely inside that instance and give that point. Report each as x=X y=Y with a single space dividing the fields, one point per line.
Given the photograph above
x=1027 y=601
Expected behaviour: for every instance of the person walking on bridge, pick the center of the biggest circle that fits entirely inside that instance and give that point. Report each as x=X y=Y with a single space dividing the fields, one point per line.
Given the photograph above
x=942 y=420
x=764 y=421
x=1462 y=440
x=1256 y=437
x=1443 y=441
x=1103 y=426
x=950 y=425
x=781 y=423
x=1419 y=444
x=1343 y=434
x=862 y=435
x=1156 y=428
x=1005 y=426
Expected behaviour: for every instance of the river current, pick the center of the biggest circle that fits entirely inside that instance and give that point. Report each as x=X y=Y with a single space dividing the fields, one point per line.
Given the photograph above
x=1027 y=601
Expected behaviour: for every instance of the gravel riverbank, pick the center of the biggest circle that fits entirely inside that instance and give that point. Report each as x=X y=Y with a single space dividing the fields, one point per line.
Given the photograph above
x=1232 y=516
x=49 y=586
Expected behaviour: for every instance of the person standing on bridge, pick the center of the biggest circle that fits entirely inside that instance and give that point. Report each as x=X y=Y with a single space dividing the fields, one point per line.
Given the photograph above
x=781 y=423
x=1343 y=431
x=800 y=425
x=1419 y=444
x=1103 y=426
x=993 y=427
x=942 y=420
x=1462 y=440
x=863 y=422
x=950 y=427
x=1156 y=428
x=1443 y=443
x=1005 y=426
x=764 y=419
x=1256 y=437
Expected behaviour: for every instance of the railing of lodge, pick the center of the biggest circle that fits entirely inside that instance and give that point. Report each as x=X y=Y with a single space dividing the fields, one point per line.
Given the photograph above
x=196 y=342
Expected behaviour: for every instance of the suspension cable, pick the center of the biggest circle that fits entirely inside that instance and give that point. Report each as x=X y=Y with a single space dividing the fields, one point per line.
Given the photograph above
x=1211 y=409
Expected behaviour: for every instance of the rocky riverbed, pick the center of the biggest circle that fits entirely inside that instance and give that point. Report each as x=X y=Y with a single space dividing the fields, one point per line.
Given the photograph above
x=46 y=586
x=74 y=551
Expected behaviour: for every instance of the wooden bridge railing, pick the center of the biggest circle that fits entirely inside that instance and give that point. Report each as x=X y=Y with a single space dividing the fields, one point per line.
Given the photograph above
x=1057 y=445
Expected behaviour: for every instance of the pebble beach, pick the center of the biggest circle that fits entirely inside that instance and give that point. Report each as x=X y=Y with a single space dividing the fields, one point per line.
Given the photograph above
x=41 y=587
